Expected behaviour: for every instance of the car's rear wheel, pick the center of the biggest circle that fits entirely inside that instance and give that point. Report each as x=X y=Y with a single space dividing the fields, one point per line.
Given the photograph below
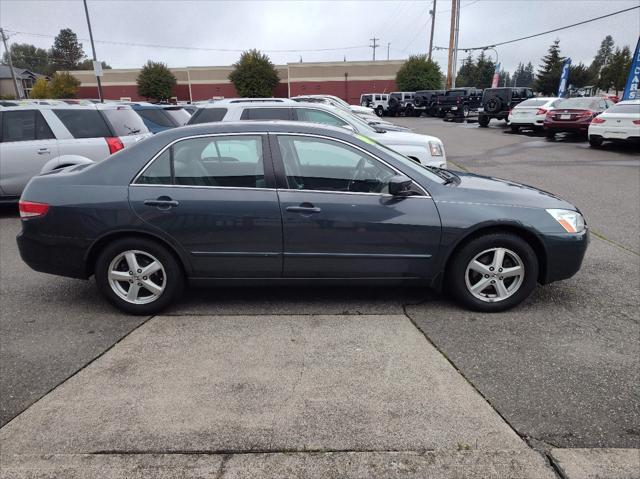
x=515 y=128
x=138 y=275
x=493 y=273
x=595 y=141
x=379 y=110
x=483 y=121
x=550 y=134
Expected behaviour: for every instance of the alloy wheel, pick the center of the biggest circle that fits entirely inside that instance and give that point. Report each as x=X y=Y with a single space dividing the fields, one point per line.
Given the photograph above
x=494 y=275
x=137 y=277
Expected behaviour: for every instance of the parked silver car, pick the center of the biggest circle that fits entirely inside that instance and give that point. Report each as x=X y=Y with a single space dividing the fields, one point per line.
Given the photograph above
x=42 y=136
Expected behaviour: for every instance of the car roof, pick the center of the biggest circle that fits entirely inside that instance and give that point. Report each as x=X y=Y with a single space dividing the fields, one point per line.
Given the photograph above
x=232 y=101
x=272 y=104
x=629 y=102
x=61 y=105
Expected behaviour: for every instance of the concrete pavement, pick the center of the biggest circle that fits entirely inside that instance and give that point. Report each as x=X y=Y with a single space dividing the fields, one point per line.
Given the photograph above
x=269 y=385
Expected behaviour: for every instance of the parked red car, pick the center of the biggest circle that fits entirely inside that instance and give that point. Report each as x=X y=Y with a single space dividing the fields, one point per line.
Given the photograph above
x=574 y=114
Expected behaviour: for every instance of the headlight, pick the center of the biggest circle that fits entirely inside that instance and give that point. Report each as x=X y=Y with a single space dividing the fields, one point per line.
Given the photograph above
x=571 y=221
x=435 y=148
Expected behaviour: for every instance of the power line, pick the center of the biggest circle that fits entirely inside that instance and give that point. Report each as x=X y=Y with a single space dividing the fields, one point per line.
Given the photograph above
x=544 y=33
x=178 y=47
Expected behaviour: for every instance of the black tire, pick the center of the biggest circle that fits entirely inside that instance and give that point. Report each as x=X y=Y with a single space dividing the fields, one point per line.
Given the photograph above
x=408 y=110
x=483 y=121
x=441 y=114
x=493 y=105
x=379 y=110
x=595 y=141
x=173 y=277
x=515 y=128
x=457 y=270
x=550 y=134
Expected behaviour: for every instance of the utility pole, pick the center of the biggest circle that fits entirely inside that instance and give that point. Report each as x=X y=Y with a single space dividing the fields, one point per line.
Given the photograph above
x=93 y=49
x=452 y=31
x=374 y=46
x=13 y=74
x=455 y=46
x=388 y=47
x=433 y=26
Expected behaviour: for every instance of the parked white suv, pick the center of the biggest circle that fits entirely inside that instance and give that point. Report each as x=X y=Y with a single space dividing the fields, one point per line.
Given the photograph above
x=378 y=101
x=425 y=149
x=37 y=137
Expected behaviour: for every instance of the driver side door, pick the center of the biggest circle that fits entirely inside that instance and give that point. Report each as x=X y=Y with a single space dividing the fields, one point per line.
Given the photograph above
x=339 y=220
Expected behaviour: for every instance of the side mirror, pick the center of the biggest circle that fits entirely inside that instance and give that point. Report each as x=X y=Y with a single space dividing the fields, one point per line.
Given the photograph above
x=400 y=185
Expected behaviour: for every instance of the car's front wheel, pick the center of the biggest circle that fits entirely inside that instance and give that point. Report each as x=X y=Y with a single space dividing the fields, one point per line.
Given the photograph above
x=493 y=273
x=138 y=275
x=595 y=141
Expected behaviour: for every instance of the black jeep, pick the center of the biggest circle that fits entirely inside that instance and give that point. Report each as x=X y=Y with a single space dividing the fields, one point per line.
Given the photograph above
x=424 y=101
x=458 y=102
x=497 y=102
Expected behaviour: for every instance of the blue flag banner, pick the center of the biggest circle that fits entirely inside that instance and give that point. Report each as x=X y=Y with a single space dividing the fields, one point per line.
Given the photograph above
x=564 y=78
x=631 y=89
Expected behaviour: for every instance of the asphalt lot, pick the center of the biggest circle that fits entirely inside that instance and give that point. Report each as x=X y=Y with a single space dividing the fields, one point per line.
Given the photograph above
x=562 y=369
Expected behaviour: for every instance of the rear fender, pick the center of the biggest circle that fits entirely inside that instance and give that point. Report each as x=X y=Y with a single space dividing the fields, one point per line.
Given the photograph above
x=65 y=160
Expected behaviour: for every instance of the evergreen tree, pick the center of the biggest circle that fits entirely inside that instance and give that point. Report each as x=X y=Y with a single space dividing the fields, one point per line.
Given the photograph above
x=602 y=58
x=485 y=70
x=614 y=74
x=550 y=71
x=579 y=75
x=419 y=73
x=29 y=57
x=467 y=72
x=254 y=75
x=67 y=52
x=155 y=81
x=88 y=65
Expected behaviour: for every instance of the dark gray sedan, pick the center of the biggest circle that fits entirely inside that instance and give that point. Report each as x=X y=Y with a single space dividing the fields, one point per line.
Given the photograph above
x=282 y=202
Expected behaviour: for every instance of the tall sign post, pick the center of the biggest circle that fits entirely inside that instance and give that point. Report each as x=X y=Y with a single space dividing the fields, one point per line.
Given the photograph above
x=564 y=78
x=631 y=88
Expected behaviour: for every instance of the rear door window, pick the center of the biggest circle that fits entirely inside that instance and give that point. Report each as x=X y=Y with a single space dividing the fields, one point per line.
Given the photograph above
x=25 y=125
x=125 y=121
x=179 y=115
x=208 y=115
x=318 y=116
x=266 y=114
x=83 y=123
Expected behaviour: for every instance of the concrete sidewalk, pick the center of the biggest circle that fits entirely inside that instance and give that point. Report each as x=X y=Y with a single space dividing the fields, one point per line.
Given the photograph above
x=241 y=396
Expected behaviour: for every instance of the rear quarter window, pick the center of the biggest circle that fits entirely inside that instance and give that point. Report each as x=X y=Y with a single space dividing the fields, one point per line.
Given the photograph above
x=266 y=114
x=84 y=123
x=208 y=115
x=157 y=116
x=125 y=122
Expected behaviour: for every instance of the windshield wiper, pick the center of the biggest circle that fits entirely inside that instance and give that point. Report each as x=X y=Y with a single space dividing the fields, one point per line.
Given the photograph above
x=446 y=175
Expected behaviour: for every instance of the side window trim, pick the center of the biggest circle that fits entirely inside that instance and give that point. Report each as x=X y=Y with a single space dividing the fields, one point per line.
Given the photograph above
x=281 y=176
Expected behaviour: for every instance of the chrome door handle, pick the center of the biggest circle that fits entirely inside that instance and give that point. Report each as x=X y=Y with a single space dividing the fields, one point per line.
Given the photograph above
x=303 y=209
x=42 y=151
x=162 y=203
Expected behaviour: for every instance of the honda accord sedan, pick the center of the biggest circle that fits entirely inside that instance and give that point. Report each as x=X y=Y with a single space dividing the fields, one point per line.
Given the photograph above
x=292 y=202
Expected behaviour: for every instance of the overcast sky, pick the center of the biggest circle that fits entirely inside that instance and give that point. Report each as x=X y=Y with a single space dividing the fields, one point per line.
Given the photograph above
x=305 y=25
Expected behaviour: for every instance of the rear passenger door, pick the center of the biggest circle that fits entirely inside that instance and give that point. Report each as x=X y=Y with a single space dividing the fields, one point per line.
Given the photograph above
x=87 y=133
x=215 y=196
x=27 y=144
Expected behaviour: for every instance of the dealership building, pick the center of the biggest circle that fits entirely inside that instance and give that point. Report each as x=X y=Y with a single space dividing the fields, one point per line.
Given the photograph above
x=347 y=80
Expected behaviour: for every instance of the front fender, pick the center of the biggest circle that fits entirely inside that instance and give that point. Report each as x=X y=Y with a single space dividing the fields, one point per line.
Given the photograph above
x=63 y=161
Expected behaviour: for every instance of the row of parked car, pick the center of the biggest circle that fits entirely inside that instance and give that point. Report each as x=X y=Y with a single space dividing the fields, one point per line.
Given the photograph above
x=42 y=136
x=598 y=118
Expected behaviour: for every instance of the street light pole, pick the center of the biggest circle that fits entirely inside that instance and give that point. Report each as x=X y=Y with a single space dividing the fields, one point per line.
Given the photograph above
x=93 y=50
x=433 y=25
x=13 y=73
x=450 y=66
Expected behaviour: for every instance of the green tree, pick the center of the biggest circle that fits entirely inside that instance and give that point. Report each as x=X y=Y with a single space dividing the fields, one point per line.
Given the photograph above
x=524 y=76
x=67 y=52
x=155 y=81
x=254 y=75
x=419 y=73
x=25 y=55
x=40 y=89
x=467 y=73
x=63 y=85
x=579 y=75
x=550 y=71
x=601 y=59
x=88 y=65
x=614 y=74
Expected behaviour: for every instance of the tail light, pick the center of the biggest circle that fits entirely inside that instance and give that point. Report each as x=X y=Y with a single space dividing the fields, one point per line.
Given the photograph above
x=636 y=122
x=31 y=209
x=542 y=111
x=114 y=143
x=597 y=120
x=549 y=114
x=586 y=114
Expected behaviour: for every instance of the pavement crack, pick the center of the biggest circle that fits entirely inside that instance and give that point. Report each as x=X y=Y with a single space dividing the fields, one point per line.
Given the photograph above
x=223 y=466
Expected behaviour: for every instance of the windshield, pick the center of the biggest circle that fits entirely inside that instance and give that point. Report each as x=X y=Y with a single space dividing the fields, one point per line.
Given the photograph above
x=625 y=108
x=578 y=103
x=413 y=165
x=125 y=121
x=180 y=115
x=532 y=102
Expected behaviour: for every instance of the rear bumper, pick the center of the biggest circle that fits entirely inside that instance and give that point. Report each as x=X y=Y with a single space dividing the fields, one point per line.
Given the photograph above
x=559 y=126
x=565 y=254
x=59 y=256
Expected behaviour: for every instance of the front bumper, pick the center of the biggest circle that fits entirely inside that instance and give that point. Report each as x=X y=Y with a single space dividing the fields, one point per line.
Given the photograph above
x=564 y=255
